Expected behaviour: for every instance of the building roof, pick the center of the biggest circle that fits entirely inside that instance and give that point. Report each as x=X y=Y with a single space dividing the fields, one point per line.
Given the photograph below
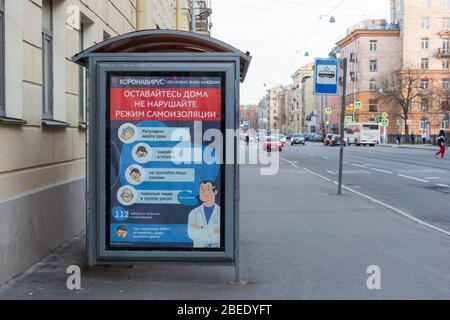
x=163 y=41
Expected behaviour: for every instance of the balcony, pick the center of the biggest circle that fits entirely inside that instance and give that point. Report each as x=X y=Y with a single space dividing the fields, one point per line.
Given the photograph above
x=443 y=53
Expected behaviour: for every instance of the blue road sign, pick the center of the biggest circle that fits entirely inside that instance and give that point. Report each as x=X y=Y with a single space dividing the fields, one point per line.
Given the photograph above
x=246 y=124
x=326 y=77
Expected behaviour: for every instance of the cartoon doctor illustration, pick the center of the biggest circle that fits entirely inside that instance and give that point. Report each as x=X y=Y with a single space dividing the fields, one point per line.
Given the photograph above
x=204 y=221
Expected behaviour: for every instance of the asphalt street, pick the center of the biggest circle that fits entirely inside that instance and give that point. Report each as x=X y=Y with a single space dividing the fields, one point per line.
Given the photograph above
x=413 y=181
x=299 y=240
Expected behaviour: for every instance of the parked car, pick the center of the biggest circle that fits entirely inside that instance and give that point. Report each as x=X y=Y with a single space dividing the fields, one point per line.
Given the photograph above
x=308 y=137
x=327 y=139
x=273 y=143
x=336 y=141
x=298 y=138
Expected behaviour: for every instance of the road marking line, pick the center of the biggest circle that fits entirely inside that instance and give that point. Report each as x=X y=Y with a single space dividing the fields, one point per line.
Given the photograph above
x=381 y=170
x=443 y=185
x=433 y=178
x=398 y=211
x=363 y=171
x=332 y=172
x=358 y=165
x=412 y=178
x=345 y=162
x=326 y=158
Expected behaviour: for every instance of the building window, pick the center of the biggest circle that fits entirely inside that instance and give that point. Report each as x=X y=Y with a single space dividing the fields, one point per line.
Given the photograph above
x=445 y=84
x=2 y=59
x=425 y=4
x=446 y=22
x=424 y=104
x=47 y=59
x=424 y=84
x=373 y=105
x=373 y=46
x=424 y=125
x=445 y=64
x=373 y=66
x=424 y=43
x=444 y=124
x=446 y=4
x=445 y=45
x=373 y=85
x=426 y=23
x=424 y=64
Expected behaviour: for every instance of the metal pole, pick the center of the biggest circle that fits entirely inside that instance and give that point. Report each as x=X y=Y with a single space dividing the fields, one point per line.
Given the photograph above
x=343 y=104
x=193 y=22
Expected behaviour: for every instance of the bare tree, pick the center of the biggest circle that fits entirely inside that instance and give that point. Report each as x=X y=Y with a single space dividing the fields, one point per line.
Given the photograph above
x=442 y=94
x=401 y=90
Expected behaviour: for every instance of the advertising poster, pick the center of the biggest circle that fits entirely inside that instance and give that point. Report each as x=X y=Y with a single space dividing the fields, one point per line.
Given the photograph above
x=165 y=184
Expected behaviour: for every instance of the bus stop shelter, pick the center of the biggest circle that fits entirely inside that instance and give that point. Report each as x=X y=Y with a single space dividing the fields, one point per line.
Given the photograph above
x=150 y=94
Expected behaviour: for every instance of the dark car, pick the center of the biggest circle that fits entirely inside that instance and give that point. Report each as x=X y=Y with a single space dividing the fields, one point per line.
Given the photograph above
x=335 y=141
x=327 y=139
x=308 y=137
x=298 y=138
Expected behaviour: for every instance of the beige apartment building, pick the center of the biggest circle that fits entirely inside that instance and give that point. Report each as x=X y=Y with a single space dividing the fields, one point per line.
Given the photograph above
x=303 y=97
x=373 y=52
x=418 y=39
x=273 y=112
x=43 y=116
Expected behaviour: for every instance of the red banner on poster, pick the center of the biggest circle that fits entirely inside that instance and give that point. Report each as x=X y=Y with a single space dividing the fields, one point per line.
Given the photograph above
x=187 y=104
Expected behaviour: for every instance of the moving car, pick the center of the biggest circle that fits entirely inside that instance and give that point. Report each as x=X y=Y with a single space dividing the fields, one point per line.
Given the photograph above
x=335 y=141
x=317 y=138
x=327 y=139
x=273 y=143
x=298 y=138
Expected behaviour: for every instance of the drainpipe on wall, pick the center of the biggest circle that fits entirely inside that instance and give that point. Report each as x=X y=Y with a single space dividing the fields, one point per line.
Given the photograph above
x=140 y=15
x=178 y=15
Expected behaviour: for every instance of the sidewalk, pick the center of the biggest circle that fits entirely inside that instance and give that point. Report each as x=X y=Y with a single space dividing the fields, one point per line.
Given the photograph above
x=299 y=240
x=409 y=146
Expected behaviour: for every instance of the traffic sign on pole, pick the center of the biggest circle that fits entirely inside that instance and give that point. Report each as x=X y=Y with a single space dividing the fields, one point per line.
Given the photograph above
x=385 y=115
x=328 y=111
x=357 y=105
x=326 y=77
x=384 y=123
x=348 y=119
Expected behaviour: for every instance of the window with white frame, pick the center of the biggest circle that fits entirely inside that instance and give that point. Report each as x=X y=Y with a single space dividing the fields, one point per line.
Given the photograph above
x=446 y=64
x=446 y=45
x=373 y=65
x=426 y=23
x=2 y=59
x=373 y=45
x=445 y=84
x=444 y=124
x=373 y=84
x=424 y=43
x=446 y=22
x=446 y=4
x=424 y=63
x=373 y=105
x=424 y=83
x=424 y=104
x=424 y=125
x=425 y=4
x=47 y=59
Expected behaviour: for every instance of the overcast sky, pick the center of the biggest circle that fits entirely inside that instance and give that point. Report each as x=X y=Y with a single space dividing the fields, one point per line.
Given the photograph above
x=274 y=30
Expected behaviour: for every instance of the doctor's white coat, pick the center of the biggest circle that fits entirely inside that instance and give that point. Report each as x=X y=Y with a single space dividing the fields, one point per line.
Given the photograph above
x=205 y=236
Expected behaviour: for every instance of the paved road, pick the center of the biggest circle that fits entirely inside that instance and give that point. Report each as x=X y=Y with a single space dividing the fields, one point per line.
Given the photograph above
x=299 y=240
x=413 y=181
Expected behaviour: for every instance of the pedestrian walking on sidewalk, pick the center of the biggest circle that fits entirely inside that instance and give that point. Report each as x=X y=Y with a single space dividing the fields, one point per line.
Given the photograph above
x=424 y=138
x=441 y=143
x=399 y=139
x=247 y=139
x=413 y=138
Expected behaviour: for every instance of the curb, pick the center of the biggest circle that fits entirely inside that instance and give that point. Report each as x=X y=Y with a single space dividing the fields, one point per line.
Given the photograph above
x=428 y=148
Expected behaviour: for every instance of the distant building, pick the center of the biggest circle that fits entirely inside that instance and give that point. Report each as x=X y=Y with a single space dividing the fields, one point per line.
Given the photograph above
x=303 y=97
x=249 y=115
x=273 y=108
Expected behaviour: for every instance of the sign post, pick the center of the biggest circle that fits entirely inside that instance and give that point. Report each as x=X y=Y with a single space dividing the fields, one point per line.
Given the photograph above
x=326 y=82
x=158 y=190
